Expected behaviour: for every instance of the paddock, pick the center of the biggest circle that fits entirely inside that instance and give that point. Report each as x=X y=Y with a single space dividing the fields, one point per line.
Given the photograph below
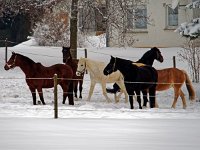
x=16 y=100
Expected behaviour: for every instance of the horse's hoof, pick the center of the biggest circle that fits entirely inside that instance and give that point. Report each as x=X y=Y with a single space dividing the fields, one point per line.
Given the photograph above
x=71 y=103
x=184 y=107
x=109 y=101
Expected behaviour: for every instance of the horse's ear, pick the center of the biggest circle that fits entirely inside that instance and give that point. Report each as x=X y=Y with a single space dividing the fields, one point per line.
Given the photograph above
x=154 y=48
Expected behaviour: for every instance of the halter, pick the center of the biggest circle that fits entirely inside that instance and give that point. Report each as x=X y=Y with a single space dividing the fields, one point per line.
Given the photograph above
x=13 y=64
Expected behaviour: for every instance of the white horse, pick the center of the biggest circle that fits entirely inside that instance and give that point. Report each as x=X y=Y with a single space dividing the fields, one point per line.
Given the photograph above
x=95 y=69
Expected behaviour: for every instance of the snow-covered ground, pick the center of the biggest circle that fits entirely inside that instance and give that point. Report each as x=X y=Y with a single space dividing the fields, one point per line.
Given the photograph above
x=95 y=124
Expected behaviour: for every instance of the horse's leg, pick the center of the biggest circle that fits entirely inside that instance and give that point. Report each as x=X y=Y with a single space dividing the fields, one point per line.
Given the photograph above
x=152 y=96
x=122 y=90
x=92 y=85
x=70 y=92
x=103 y=85
x=138 y=99
x=117 y=97
x=145 y=99
x=33 y=92
x=41 y=95
x=67 y=92
x=130 y=92
x=131 y=101
x=80 y=88
x=182 y=95
x=75 y=84
x=176 y=95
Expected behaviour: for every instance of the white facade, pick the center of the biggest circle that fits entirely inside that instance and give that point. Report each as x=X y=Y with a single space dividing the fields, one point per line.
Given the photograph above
x=160 y=28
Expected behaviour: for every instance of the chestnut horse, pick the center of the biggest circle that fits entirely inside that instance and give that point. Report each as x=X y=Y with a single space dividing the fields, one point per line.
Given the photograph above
x=173 y=77
x=39 y=76
x=67 y=59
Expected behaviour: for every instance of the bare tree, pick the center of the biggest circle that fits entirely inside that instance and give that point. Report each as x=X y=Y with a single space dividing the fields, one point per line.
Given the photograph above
x=191 y=30
x=73 y=28
x=191 y=54
x=114 y=17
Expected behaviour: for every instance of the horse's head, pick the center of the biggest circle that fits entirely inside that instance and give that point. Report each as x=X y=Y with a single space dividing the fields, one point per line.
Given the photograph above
x=11 y=62
x=157 y=54
x=110 y=68
x=66 y=54
x=81 y=67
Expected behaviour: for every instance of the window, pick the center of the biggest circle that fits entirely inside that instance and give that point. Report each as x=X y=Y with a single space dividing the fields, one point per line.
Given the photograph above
x=137 y=18
x=141 y=20
x=196 y=11
x=172 y=17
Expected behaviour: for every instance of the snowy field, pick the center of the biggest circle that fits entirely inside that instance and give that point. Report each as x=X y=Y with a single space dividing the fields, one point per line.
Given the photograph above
x=95 y=124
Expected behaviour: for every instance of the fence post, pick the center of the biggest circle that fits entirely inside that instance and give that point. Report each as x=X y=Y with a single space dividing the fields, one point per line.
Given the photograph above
x=85 y=57
x=6 y=50
x=174 y=61
x=55 y=96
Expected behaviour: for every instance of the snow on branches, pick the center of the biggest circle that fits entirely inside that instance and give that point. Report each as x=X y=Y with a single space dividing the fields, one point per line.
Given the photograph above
x=191 y=29
x=192 y=5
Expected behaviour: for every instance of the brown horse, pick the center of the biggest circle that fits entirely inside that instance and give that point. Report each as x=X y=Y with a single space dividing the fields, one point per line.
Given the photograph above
x=39 y=76
x=173 y=77
x=67 y=59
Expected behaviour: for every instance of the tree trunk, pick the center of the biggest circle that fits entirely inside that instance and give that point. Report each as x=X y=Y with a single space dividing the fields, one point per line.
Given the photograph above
x=73 y=28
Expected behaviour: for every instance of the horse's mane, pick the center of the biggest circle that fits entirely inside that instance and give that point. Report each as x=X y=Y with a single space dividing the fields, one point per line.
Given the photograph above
x=124 y=61
x=28 y=60
x=146 y=57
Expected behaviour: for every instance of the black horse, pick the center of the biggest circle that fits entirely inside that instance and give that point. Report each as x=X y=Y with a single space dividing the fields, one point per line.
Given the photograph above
x=135 y=78
x=147 y=59
x=78 y=80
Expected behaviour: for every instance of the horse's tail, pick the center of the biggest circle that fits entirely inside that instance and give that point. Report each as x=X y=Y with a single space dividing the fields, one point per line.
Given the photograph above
x=189 y=86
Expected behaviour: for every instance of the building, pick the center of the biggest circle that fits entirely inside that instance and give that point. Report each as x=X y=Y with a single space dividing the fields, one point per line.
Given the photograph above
x=157 y=24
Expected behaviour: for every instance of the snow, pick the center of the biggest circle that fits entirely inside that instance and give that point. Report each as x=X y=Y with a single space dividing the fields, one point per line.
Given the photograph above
x=195 y=4
x=191 y=29
x=95 y=124
x=175 y=3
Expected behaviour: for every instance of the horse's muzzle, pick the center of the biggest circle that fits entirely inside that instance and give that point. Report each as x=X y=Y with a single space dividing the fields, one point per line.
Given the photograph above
x=7 y=67
x=78 y=73
x=105 y=72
